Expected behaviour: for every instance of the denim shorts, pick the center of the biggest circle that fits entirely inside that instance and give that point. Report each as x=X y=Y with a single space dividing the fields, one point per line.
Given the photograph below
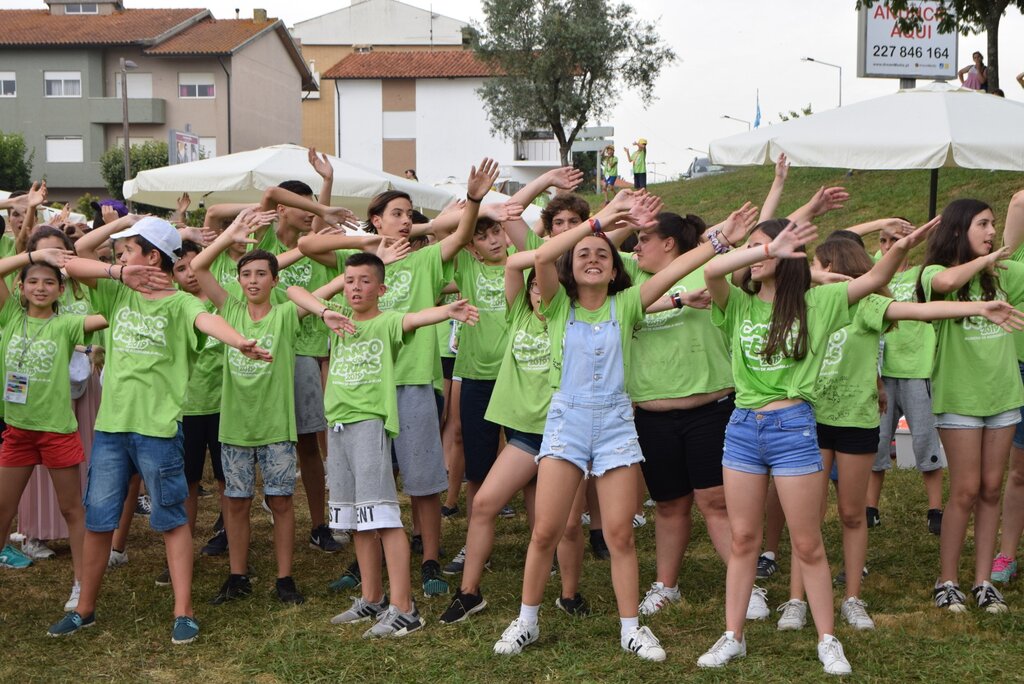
x=116 y=456
x=783 y=442
x=1018 y=436
x=594 y=433
x=525 y=441
x=277 y=465
x=955 y=421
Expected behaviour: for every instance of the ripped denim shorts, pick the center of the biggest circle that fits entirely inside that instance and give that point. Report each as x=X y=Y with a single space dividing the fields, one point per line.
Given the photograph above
x=593 y=432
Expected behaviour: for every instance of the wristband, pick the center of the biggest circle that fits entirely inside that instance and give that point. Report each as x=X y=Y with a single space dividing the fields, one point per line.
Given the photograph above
x=766 y=252
x=595 y=226
x=323 y=311
x=721 y=234
x=30 y=261
x=475 y=200
x=120 y=274
x=110 y=272
x=716 y=243
x=677 y=301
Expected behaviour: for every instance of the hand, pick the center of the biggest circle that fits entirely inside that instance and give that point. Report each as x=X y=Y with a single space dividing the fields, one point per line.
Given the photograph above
x=819 y=277
x=787 y=244
x=564 y=178
x=208 y=234
x=827 y=199
x=883 y=401
x=97 y=358
x=509 y=211
x=108 y=213
x=184 y=202
x=456 y=205
x=916 y=237
x=739 y=224
x=341 y=325
x=481 y=180
x=896 y=227
x=781 y=167
x=62 y=218
x=620 y=206
x=36 y=194
x=391 y=250
x=248 y=221
x=1003 y=315
x=143 y=278
x=341 y=217
x=992 y=260
x=321 y=165
x=645 y=210
x=196 y=235
x=463 y=311
x=698 y=299
x=54 y=256
x=253 y=351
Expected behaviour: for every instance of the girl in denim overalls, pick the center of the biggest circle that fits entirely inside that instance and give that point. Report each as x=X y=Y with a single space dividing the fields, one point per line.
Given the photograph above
x=589 y=432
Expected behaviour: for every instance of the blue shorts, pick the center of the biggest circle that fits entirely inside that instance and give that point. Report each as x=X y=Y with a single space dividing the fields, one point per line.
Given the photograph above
x=594 y=433
x=526 y=441
x=1018 y=436
x=783 y=442
x=116 y=456
x=610 y=180
x=277 y=465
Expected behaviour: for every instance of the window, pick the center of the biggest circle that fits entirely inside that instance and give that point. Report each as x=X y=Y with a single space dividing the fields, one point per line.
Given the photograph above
x=82 y=8
x=133 y=140
x=64 y=149
x=196 y=85
x=62 y=83
x=8 y=84
x=208 y=147
x=140 y=86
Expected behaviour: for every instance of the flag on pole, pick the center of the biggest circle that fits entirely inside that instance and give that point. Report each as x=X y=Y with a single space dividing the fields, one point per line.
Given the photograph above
x=757 y=114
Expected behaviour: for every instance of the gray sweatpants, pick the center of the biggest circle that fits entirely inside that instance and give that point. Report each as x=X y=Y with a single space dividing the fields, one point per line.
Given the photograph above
x=362 y=486
x=910 y=397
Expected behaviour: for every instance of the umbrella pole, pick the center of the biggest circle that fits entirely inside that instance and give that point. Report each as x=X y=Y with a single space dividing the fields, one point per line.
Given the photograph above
x=933 y=193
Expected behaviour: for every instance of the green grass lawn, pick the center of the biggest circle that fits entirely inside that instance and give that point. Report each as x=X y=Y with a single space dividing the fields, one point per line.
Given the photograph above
x=259 y=640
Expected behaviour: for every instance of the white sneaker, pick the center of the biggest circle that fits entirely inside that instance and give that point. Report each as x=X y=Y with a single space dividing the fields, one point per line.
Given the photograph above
x=36 y=549
x=649 y=503
x=341 y=536
x=516 y=637
x=585 y=519
x=72 y=602
x=855 y=612
x=724 y=650
x=794 y=615
x=639 y=521
x=659 y=596
x=830 y=653
x=641 y=641
x=117 y=558
x=757 y=607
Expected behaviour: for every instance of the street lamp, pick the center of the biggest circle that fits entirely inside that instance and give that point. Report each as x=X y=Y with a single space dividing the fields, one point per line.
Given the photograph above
x=834 y=66
x=704 y=152
x=126 y=64
x=733 y=118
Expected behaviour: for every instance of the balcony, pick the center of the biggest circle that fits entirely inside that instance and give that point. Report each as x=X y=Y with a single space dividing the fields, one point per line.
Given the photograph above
x=107 y=110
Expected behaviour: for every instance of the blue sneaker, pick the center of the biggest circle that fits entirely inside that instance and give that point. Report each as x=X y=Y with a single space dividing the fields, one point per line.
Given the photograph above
x=185 y=631
x=11 y=557
x=70 y=623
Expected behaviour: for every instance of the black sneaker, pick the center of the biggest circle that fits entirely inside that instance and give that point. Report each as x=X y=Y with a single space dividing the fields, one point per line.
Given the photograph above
x=287 y=592
x=320 y=538
x=948 y=595
x=204 y=492
x=576 y=606
x=766 y=567
x=989 y=599
x=598 y=545
x=462 y=606
x=234 y=587
x=350 y=579
x=874 y=518
x=143 y=505
x=449 y=512
x=417 y=544
x=935 y=521
x=840 y=579
x=434 y=584
x=218 y=544
x=164 y=578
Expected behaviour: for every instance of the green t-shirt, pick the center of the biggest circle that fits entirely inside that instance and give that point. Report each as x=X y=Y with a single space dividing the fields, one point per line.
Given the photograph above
x=481 y=346
x=629 y=311
x=846 y=391
x=975 y=371
x=1018 y=337
x=41 y=349
x=414 y=284
x=151 y=346
x=257 y=397
x=909 y=350
x=361 y=376
x=522 y=391
x=7 y=247
x=225 y=270
x=202 y=396
x=314 y=337
x=533 y=241
x=747 y=319
x=677 y=353
x=446 y=329
x=611 y=166
x=640 y=161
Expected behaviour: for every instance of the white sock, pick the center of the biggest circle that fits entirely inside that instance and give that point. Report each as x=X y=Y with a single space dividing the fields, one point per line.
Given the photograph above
x=528 y=614
x=627 y=625
x=770 y=555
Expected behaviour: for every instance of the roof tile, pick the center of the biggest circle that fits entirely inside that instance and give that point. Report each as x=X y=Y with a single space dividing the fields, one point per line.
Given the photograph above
x=211 y=37
x=411 y=64
x=38 y=27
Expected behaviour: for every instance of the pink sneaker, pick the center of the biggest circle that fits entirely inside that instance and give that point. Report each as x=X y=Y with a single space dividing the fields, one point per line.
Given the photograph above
x=1004 y=569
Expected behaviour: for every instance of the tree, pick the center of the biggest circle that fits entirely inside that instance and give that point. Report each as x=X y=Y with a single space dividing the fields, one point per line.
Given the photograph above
x=562 y=63
x=965 y=16
x=151 y=154
x=15 y=162
x=793 y=114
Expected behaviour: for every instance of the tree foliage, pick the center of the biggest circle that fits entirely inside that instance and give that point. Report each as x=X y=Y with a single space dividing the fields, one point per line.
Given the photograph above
x=563 y=63
x=15 y=162
x=965 y=16
x=151 y=154
x=793 y=114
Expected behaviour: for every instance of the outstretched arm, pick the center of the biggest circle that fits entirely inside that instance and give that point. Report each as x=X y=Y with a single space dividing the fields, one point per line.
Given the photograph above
x=238 y=232
x=461 y=310
x=896 y=226
x=1000 y=313
x=514 y=267
x=216 y=327
x=480 y=181
x=88 y=244
x=52 y=256
x=883 y=271
x=310 y=303
x=822 y=202
x=771 y=202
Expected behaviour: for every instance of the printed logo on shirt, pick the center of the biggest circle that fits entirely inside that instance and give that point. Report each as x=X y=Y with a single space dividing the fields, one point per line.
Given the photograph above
x=76 y=307
x=299 y=273
x=979 y=328
x=38 y=355
x=399 y=286
x=242 y=366
x=358 y=363
x=136 y=332
x=752 y=340
x=834 y=352
x=904 y=292
x=490 y=291
x=531 y=352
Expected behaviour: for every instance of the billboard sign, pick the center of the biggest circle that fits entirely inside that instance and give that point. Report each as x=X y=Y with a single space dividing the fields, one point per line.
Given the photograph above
x=182 y=147
x=884 y=51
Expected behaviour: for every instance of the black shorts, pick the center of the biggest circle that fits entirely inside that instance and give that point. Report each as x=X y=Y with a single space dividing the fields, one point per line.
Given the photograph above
x=480 y=436
x=683 y=447
x=849 y=440
x=201 y=434
x=447 y=366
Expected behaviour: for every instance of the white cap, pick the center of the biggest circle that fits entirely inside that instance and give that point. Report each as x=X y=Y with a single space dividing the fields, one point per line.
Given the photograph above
x=157 y=232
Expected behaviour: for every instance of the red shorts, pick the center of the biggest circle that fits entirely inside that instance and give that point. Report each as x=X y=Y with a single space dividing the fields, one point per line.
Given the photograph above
x=33 y=447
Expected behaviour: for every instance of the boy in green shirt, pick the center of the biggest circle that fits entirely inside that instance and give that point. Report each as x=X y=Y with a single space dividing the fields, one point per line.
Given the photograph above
x=362 y=406
x=639 y=161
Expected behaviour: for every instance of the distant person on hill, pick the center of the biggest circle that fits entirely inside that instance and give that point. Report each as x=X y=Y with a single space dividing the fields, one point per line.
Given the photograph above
x=639 y=161
x=609 y=171
x=411 y=174
x=976 y=74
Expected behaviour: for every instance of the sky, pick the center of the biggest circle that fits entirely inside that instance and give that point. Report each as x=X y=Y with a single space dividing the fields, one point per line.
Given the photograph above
x=728 y=51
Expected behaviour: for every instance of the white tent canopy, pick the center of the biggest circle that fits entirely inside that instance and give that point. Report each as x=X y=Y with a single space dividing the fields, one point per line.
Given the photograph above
x=922 y=128
x=243 y=176
x=531 y=213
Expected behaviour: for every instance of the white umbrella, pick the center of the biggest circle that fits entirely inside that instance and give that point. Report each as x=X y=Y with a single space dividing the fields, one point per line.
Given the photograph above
x=243 y=176
x=921 y=128
x=531 y=213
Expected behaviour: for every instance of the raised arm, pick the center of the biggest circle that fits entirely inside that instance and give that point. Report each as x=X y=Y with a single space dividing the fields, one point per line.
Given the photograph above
x=955 y=277
x=310 y=303
x=514 y=267
x=316 y=245
x=88 y=244
x=53 y=256
x=332 y=216
x=141 y=278
x=238 y=232
x=883 y=271
x=564 y=178
x=896 y=226
x=1013 y=232
x=822 y=202
x=771 y=202
x=480 y=181
x=323 y=169
x=461 y=310
x=216 y=327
